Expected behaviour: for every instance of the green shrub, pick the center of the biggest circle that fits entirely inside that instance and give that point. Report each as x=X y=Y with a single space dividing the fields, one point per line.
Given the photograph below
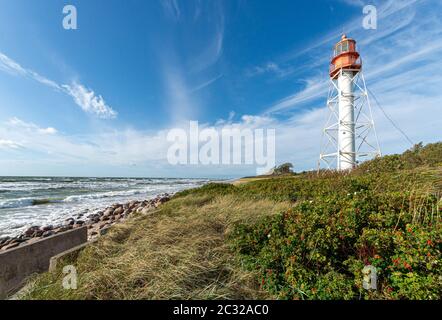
x=317 y=250
x=418 y=155
x=210 y=189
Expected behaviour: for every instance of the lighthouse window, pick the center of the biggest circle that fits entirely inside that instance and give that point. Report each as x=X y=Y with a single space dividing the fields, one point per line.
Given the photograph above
x=338 y=49
x=345 y=46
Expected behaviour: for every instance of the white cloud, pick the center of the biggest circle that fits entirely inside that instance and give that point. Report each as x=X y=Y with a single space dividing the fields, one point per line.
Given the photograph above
x=85 y=98
x=123 y=148
x=255 y=121
x=108 y=148
x=271 y=67
x=9 y=144
x=89 y=101
x=9 y=65
x=30 y=127
x=405 y=74
x=48 y=130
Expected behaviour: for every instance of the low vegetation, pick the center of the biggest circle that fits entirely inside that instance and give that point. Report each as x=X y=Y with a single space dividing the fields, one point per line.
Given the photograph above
x=302 y=236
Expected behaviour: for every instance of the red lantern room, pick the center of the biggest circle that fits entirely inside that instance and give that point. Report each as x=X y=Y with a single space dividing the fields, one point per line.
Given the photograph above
x=345 y=56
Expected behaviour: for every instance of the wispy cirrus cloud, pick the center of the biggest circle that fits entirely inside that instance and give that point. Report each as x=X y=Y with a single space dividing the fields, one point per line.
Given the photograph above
x=180 y=70
x=172 y=9
x=213 y=51
x=85 y=98
x=314 y=88
x=402 y=67
x=311 y=54
x=30 y=127
x=206 y=83
x=383 y=50
x=9 y=144
x=357 y=3
x=12 y=67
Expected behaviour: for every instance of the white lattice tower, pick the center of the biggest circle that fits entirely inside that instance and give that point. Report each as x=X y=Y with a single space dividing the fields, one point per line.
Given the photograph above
x=349 y=136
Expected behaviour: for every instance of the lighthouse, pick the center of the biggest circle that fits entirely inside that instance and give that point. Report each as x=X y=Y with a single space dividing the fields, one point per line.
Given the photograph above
x=350 y=132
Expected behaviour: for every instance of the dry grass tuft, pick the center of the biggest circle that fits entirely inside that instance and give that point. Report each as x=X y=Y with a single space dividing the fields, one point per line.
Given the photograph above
x=178 y=252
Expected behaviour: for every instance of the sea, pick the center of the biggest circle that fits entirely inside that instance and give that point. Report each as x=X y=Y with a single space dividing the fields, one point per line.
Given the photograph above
x=42 y=201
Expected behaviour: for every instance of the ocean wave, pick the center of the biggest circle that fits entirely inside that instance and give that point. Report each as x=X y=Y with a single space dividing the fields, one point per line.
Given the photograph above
x=16 y=203
x=51 y=205
x=110 y=194
x=28 y=193
x=26 y=202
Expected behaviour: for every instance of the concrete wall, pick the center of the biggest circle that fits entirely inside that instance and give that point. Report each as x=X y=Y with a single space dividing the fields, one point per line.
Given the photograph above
x=71 y=254
x=19 y=263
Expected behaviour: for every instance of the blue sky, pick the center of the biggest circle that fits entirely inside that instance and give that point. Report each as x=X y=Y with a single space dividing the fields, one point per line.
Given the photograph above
x=99 y=100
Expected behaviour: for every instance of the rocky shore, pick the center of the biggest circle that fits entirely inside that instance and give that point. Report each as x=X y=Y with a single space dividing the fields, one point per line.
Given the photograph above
x=98 y=222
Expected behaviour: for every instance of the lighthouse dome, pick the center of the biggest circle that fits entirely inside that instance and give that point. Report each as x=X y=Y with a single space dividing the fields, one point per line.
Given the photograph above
x=345 y=56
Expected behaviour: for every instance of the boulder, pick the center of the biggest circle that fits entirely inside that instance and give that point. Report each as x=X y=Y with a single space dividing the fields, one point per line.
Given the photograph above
x=48 y=233
x=119 y=210
x=108 y=212
x=104 y=225
x=95 y=215
x=37 y=233
x=47 y=228
x=69 y=222
x=132 y=204
x=31 y=231
x=63 y=229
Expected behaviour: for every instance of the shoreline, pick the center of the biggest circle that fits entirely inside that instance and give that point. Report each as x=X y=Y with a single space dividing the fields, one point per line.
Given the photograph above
x=41 y=201
x=98 y=223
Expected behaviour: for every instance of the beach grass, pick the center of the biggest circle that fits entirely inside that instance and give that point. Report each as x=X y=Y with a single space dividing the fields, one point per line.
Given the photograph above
x=178 y=252
x=303 y=236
